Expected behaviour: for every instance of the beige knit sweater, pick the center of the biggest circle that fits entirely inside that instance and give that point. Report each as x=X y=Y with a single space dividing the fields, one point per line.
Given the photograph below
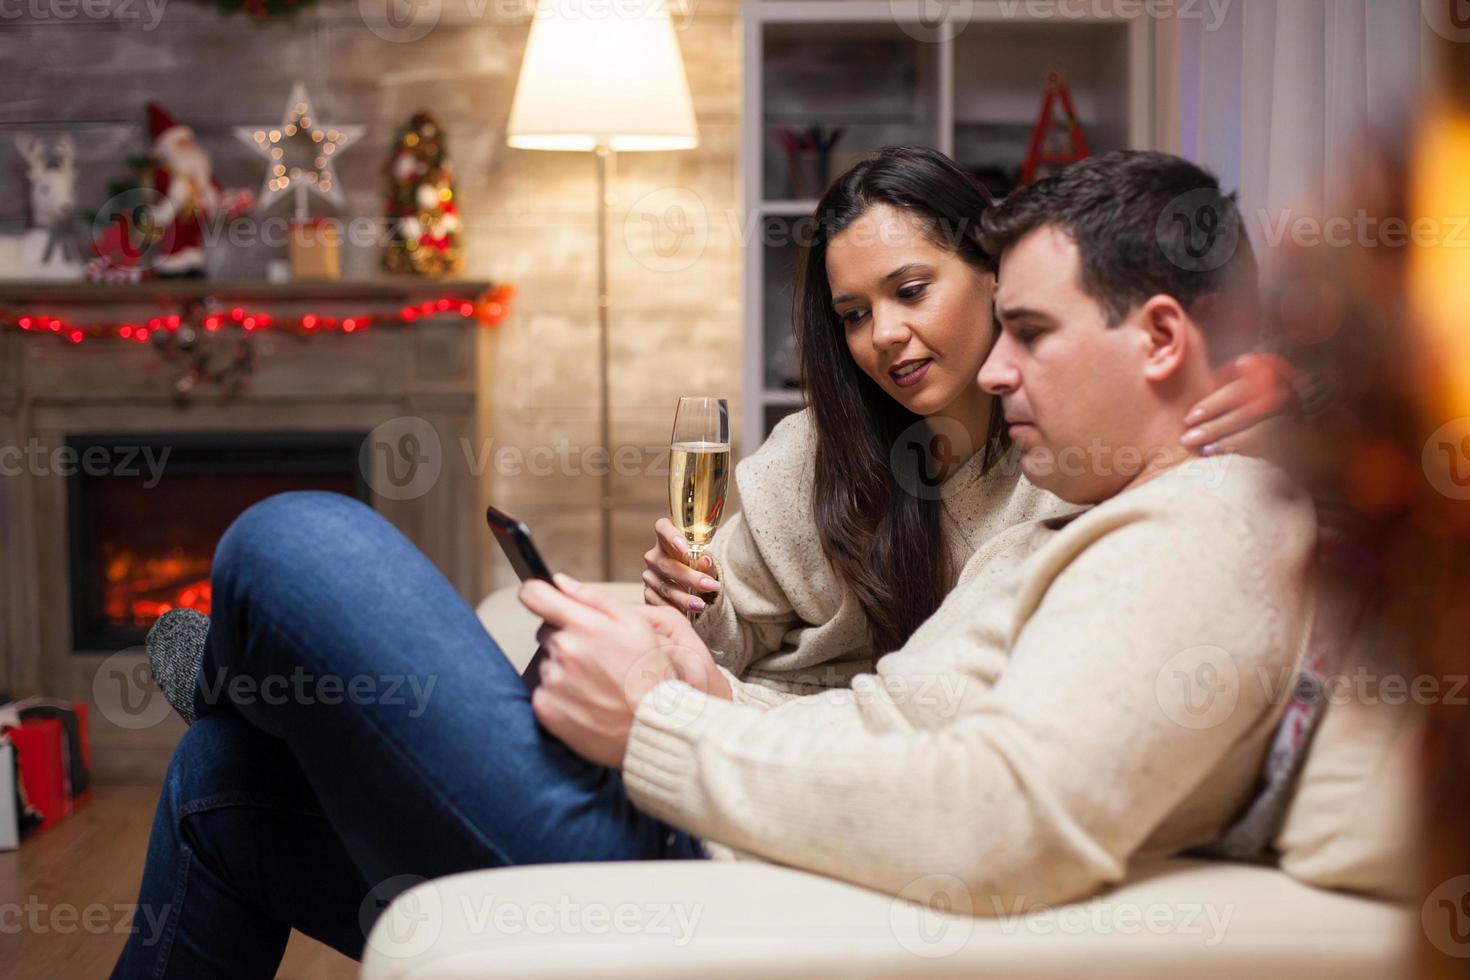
x=1095 y=688
x=783 y=621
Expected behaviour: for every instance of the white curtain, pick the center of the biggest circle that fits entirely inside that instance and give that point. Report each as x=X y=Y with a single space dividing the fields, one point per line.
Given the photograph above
x=1274 y=97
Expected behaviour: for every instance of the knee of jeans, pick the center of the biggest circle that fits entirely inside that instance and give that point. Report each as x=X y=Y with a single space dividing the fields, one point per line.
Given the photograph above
x=269 y=530
x=198 y=757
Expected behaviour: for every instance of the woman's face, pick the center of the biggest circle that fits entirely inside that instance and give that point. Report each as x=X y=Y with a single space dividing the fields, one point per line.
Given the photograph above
x=917 y=317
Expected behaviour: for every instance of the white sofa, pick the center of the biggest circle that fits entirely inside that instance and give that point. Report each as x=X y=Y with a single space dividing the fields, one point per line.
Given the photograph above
x=651 y=919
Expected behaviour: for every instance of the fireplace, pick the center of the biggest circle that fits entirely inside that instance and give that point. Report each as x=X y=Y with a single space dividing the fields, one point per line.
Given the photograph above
x=144 y=518
x=67 y=629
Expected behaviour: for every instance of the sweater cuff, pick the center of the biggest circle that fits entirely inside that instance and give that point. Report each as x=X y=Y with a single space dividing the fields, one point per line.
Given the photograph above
x=738 y=692
x=719 y=627
x=660 y=764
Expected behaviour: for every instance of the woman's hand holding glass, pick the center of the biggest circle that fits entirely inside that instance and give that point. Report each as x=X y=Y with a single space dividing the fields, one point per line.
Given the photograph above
x=668 y=579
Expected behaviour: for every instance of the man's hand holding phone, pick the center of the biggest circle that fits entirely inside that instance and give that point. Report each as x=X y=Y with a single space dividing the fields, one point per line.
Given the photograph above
x=603 y=657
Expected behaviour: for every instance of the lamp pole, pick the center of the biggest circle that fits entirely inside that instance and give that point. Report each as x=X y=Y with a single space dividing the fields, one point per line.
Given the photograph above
x=605 y=504
x=592 y=84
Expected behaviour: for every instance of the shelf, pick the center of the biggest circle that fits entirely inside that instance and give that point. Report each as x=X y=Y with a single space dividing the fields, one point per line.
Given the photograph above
x=838 y=21
x=841 y=117
x=788 y=209
x=973 y=93
x=164 y=290
x=783 y=396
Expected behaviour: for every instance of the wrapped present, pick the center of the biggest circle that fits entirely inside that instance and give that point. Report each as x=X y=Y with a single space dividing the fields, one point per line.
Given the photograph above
x=50 y=768
x=76 y=740
x=40 y=746
x=314 y=245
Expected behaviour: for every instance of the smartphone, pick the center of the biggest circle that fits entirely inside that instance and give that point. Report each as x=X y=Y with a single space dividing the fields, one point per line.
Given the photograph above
x=515 y=541
x=525 y=558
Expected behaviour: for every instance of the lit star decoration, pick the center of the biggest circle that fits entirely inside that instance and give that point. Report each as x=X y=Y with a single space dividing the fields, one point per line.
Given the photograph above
x=301 y=153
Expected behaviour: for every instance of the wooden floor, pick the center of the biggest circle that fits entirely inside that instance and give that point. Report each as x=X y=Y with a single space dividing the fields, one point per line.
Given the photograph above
x=95 y=858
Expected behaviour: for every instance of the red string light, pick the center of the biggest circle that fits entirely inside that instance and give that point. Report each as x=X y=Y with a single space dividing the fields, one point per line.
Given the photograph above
x=487 y=309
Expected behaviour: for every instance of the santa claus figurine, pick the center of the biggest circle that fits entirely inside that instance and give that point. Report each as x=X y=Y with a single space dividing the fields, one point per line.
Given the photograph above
x=178 y=203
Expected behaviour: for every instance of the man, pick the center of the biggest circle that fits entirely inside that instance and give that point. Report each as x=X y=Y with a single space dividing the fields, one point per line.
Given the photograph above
x=1095 y=687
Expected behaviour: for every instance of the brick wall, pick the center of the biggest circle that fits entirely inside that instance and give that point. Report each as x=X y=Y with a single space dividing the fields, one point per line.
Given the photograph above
x=88 y=68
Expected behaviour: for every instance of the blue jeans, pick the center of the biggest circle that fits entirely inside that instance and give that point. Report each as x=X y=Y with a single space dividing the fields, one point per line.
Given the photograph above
x=359 y=732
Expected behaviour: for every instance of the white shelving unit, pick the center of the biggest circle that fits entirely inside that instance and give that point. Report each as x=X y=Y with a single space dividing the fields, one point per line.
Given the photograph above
x=967 y=82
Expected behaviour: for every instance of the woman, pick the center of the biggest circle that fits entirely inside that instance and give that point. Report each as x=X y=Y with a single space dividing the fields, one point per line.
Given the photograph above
x=859 y=512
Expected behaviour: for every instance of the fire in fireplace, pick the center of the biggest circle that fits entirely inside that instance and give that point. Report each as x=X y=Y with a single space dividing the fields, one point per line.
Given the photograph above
x=142 y=536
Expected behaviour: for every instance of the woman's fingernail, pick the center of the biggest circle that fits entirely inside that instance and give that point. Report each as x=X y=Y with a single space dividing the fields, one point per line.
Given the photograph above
x=696 y=604
x=1195 y=414
x=1210 y=450
x=708 y=584
x=1193 y=436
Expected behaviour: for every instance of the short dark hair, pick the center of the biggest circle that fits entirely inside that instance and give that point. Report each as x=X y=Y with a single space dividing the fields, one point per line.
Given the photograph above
x=1145 y=224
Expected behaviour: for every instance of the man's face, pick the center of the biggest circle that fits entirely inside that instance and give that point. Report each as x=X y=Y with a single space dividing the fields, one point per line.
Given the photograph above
x=1072 y=388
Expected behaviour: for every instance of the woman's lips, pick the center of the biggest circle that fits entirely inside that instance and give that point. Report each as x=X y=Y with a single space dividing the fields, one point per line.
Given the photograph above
x=913 y=377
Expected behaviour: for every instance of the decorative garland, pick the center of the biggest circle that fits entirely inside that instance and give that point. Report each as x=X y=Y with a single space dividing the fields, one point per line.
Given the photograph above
x=488 y=309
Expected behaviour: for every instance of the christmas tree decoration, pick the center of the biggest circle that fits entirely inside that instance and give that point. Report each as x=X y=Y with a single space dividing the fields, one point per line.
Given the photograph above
x=1054 y=142
x=422 y=211
x=301 y=152
x=156 y=225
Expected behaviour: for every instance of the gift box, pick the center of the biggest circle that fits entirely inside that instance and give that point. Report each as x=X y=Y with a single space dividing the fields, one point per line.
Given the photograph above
x=52 y=751
x=315 y=249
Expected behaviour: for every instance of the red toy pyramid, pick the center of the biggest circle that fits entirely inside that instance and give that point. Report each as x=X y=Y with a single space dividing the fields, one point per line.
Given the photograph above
x=1055 y=142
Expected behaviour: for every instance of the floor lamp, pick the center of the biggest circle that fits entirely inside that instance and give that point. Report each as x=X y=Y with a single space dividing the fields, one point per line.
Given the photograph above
x=602 y=84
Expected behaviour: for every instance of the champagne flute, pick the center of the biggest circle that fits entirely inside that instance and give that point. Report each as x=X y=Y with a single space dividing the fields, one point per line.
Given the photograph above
x=699 y=471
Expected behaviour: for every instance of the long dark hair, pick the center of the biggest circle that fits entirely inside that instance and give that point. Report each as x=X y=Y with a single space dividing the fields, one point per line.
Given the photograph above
x=884 y=540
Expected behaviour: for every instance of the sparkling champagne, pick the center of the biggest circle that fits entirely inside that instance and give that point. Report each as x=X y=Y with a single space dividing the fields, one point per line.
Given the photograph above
x=699 y=479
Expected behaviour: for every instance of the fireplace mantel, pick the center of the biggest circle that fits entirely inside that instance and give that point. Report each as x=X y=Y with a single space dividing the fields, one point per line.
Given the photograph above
x=49 y=389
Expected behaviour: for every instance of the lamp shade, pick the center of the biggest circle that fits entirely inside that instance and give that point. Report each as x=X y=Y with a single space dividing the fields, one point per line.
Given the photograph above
x=613 y=77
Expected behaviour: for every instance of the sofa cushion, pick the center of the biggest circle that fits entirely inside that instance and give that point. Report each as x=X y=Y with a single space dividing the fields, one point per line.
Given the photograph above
x=1351 y=822
x=675 y=919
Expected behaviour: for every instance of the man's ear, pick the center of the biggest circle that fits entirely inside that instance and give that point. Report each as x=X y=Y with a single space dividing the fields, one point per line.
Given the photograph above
x=1166 y=331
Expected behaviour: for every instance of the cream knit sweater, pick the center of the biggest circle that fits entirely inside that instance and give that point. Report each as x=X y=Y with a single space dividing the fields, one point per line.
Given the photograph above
x=1095 y=688
x=783 y=621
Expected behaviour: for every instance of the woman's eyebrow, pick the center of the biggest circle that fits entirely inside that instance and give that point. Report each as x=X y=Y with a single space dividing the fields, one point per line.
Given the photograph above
x=902 y=270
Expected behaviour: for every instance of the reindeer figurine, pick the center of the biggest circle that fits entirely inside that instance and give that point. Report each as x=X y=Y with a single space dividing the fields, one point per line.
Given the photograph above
x=49 y=249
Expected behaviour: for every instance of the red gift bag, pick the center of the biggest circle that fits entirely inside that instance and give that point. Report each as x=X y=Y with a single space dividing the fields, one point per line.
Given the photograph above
x=76 y=741
x=39 y=744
